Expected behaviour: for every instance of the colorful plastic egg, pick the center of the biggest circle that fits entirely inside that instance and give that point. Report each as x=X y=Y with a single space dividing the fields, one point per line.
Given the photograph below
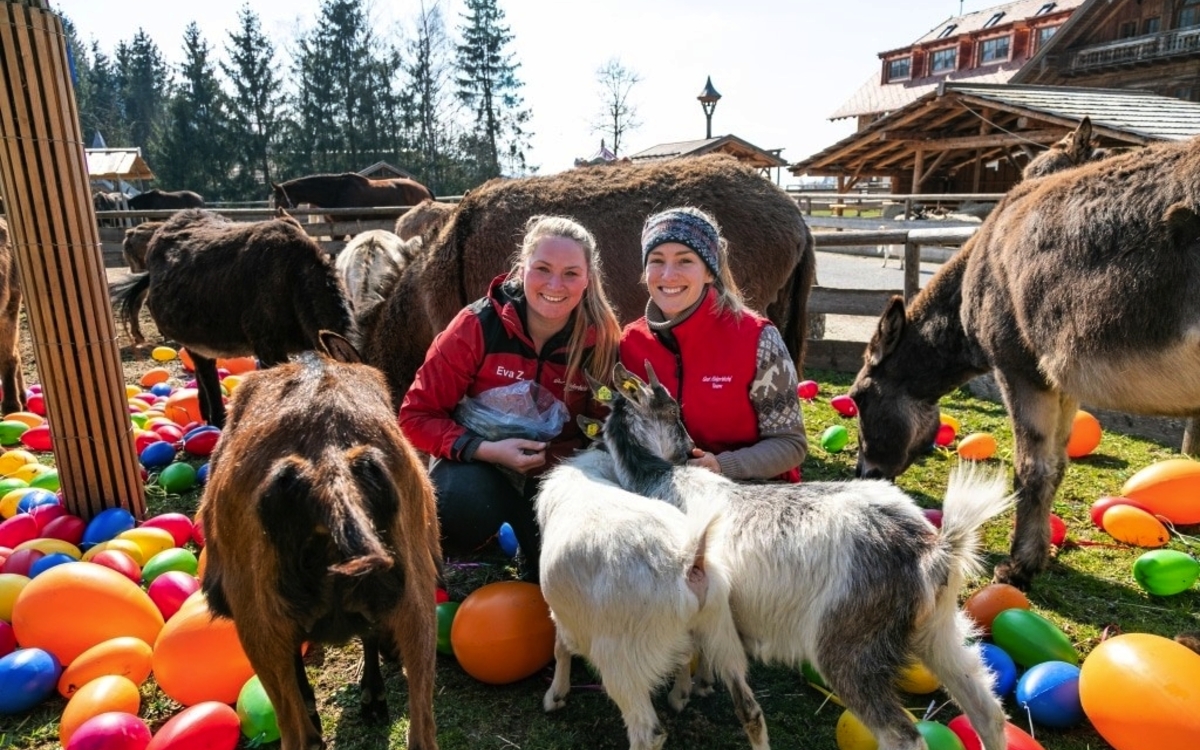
x=177 y=478
x=68 y=528
x=177 y=524
x=978 y=446
x=1049 y=691
x=199 y=658
x=114 y=730
x=163 y=354
x=1103 y=504
x=37 y=438
x=176 y=558
x=808 y=389
x=106 y=524
x=1168 y=488
x=1127 y=524
x=1085 y=435
x=1015 y=738
x=170 y=589
x=256 y=714
x=157 y=455
x=1000 y=664
x=834 y=438
x=1166 y=572
x=101 y=695
x=201 y=441
x=124 y=655
x=1031 y=639
x=502 y=632
x=844 y=405
x=210 y=725
x=989 y=601
x=27 y=677
x=445 y=620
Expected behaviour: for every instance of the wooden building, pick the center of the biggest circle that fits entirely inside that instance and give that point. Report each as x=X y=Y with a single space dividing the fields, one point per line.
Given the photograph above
x=761 y=159
x=962 y=109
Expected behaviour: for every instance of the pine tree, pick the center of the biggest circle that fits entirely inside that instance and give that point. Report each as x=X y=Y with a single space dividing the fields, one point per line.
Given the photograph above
x=429 y=72
x=195 y=152
x=489 y=87
x=101 y=107
x=255 y=107
x=145 y=86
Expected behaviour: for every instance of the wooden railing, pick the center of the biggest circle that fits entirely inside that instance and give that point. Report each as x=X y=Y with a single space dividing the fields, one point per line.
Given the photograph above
x=838 y=204
x=1137 y=50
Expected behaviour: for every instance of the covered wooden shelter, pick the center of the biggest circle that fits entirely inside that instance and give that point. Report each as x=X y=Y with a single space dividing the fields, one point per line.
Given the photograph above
x=117 y=164
x=976 y=138
x=761 y=159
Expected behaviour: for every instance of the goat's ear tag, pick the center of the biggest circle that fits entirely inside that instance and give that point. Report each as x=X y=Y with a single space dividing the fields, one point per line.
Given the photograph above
x=604 y=394
x=591 y=427
x=630 y=386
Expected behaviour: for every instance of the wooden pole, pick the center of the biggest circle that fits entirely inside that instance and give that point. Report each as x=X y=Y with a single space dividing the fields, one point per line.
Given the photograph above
x=56 y=244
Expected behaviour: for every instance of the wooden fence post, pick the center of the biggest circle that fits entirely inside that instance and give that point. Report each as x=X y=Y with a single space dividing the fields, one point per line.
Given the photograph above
x=56 y=244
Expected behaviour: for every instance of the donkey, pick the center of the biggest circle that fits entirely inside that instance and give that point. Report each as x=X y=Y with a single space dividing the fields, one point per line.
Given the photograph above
x=849 y=576
x=231 y=289
x=320 y=525
x=370 y=263
x=424 y=220
x=1076 y=148
x=133 y=248
x=1079 y=287
x=12 y=379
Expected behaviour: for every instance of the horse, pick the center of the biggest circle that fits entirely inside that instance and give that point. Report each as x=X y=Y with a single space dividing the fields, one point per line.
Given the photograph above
x=12 y=379
x=162 y=200
x=114 y=201
x=348 y=190
x=770 y=248
x=370 y=263
x=231 y=289
x=1078 y=288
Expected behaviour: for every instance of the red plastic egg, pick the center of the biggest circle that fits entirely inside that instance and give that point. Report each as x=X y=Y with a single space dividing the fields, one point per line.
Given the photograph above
x=178 y=525
x=68 y=528
x=114 y=730
x=1104 y=503
x=844 y=405
x=808 y=390
x=20 y=561
x=117 y=560
x=945 y=435
x=205 y=726
x=201 y=441
x=37 y=438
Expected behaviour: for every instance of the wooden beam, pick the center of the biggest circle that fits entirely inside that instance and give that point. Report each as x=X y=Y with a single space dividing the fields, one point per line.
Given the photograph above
x=972 y=141
x=928 y=171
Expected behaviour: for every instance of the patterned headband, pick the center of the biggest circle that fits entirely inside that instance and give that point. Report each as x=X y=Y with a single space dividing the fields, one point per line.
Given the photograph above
x=686 y=228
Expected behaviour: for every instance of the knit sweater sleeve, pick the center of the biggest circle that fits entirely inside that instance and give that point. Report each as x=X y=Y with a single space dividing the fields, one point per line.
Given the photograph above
x=782 y=443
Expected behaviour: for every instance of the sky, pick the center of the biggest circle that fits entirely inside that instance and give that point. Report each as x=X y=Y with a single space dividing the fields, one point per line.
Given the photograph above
x=782 y=67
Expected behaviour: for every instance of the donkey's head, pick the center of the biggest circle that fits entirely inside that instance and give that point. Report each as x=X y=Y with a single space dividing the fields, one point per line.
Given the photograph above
x=644 y=425
x=895 y=424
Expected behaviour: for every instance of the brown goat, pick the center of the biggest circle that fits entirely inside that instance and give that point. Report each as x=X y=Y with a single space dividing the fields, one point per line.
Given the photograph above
x=770 y=248
x=11 y=377
x=320 y=525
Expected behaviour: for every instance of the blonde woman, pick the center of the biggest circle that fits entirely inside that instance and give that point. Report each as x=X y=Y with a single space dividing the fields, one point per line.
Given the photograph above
x=547 y=320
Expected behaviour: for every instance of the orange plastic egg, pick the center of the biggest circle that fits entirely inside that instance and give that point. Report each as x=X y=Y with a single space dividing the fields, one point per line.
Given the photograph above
x=991 y=600
x=1131 y=525
x=978 y=446
x=71 y=607
x=1085 y=435
x=154 y=377
x=238 y=365
x=101 y=695
x=183 y=406
x=502 y=632
x=124 y=655
x=1168 y=488
x=199 y=658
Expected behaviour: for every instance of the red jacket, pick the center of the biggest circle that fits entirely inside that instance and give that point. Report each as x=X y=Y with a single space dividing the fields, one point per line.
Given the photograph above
x=484 y=347
x=713 y=390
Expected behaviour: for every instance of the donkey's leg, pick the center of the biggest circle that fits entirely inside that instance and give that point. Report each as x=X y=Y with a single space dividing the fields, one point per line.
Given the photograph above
x=11 y=377
x=208 y=385
x=1041 y=426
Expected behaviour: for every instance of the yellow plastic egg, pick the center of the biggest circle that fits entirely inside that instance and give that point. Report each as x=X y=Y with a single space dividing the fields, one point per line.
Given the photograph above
x=149 y=540
x=947 y=419
x=163 y=354
x=12 y=460
x=127 y=546
x=48 y=546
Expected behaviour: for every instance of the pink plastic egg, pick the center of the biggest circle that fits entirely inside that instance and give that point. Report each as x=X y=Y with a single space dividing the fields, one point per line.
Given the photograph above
x=112 y=730
x=170 y=589
x=178 y=525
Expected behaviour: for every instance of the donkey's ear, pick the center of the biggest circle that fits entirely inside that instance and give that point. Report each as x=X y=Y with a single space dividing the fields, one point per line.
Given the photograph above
x=1081 y=142
x=337 y=347
x=600 y=391
x=591 y=427
x=887 y=335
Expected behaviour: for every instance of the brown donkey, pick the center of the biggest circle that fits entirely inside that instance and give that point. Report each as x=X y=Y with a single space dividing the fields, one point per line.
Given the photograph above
x=320 y=525
x=1079 y=287
x=11 y=376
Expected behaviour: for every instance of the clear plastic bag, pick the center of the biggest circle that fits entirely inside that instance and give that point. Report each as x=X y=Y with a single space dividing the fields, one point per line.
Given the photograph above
x=524 y=409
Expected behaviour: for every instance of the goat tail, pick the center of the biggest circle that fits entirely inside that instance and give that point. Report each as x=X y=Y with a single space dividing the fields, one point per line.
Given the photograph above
x=127 y=291
x=974 y=495
x=356 y=541
x=700 y=575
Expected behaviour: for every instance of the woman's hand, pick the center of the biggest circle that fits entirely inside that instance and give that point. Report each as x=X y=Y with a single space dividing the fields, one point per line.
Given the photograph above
x=705 y=460
x=518 y=454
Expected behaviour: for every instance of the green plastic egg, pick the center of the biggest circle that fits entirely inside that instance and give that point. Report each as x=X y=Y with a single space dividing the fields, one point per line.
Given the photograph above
x=256 y=714
x=177 y=477
x=11 y=431
x=1166 y=572
x=176 y=558
x=939 y=736
x=1031 y=639
x=835 y=438
x=8 y=484
x=47 y=481
x=445 y=618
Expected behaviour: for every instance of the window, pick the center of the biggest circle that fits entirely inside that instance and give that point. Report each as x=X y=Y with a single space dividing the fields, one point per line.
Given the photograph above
x=943 y=60
x=1045 y=9
x=1183 y=92
x=1044 y=34
x=1189 y=14
x=899 y=69
x=994 y=50
x=1151 y=25
x=947 y=31
x=995 y=19
x=1127 y=29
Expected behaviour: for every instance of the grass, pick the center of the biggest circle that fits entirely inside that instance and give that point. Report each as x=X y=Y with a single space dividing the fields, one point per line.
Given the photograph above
x=1088 y=592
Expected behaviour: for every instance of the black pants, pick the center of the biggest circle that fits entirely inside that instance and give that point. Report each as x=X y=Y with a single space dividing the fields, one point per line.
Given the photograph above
x=473 y=499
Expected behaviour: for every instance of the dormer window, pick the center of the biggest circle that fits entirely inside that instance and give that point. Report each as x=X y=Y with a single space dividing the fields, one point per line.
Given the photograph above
x=994 y=50
x=1045 y=9
x=995 y=19
x=947 y=31
x=943 y=60
x=899 y=69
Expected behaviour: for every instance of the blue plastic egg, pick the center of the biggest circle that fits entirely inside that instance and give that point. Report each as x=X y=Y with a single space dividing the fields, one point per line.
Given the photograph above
x=27 y=677
x=1050 y=692
x=47 y=562
x=157 y=455
x=162 y=389
x=106 y=525
x=37 y=498
x=202 y=474
x=508 y=539
x=1000 y=664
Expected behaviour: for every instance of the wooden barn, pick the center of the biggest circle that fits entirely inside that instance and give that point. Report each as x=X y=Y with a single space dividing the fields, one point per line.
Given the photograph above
x=761 y=159
x=963 y=108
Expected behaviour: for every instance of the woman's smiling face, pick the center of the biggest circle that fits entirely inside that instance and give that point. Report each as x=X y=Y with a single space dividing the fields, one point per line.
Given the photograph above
x=555 y=277
x=676 y=277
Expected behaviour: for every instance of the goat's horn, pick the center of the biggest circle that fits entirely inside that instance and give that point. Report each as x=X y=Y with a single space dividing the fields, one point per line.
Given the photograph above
x=651 y=376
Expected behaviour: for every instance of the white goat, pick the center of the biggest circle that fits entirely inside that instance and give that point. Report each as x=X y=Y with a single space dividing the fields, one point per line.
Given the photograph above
x=629 y=580
x=370 y=262
x=849 y=576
